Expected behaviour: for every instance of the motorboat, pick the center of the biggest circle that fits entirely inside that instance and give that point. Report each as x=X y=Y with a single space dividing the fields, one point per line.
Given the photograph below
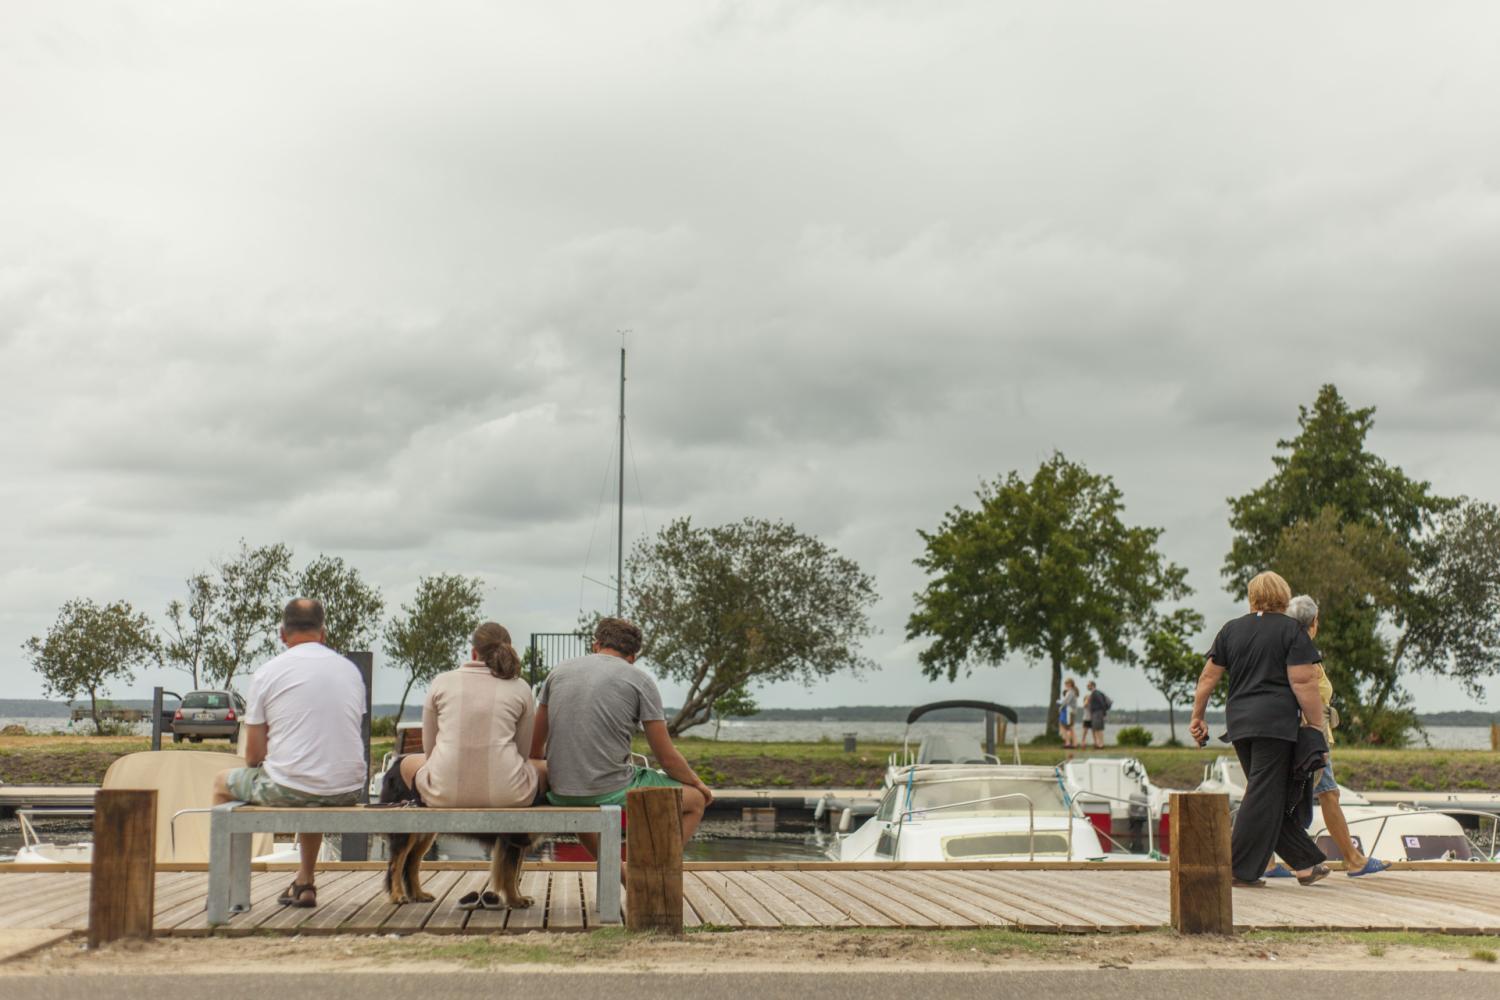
x=1391 y=833
x=35 y=851
x=952 y=799
x=1130 y=812
x=962 y=812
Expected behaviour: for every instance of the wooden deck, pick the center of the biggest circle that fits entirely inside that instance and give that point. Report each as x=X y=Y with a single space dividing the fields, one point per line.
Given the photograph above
x=775 y=896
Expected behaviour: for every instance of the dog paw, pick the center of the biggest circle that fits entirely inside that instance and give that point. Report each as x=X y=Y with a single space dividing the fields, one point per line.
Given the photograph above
x=423 y=897
x=520 y=903
x=397 y=900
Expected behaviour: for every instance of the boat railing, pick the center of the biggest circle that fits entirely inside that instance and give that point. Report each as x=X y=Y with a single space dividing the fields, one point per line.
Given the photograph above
x=1030 y=819
x=1399 y=811
x=29 y=836
x=1109 y=835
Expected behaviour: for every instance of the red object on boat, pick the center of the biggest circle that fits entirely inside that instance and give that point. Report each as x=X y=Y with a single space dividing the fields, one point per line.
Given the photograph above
x=1104 y=826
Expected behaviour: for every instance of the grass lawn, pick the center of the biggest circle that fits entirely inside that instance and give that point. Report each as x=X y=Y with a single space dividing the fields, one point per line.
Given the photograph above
x=71 y=759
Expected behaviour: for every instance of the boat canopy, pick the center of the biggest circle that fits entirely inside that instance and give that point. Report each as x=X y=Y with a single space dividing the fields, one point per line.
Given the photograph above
x=983 y=706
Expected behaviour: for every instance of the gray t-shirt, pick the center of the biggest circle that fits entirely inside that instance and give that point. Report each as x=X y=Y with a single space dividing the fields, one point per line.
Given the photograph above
x=595 y=704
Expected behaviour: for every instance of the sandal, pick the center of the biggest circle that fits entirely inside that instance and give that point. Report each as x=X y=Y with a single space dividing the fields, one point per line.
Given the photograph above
x=303 y=894
x=1318 y=874
x=486 y=900
x=1280 y=871
x=1238 y=883
x=1372 y=865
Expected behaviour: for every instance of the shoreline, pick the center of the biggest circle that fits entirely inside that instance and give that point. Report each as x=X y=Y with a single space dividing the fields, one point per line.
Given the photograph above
x=70 y=759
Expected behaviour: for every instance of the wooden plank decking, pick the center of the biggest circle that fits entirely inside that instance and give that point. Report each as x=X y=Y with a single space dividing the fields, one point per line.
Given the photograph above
x=768 y=896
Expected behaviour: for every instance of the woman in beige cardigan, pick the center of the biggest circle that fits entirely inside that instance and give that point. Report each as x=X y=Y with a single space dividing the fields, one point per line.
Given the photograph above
x=476 y=732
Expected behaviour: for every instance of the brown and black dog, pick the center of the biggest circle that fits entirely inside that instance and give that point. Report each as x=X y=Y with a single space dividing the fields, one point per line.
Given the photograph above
x=403 y=872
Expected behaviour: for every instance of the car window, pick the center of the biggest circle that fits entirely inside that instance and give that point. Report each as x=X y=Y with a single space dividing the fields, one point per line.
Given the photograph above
x=206 y=699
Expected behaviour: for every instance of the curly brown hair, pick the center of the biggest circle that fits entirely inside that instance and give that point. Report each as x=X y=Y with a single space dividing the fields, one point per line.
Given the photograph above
x=619 y=635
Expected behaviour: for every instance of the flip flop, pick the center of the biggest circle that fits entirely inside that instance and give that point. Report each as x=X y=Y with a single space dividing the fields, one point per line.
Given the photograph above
x=1281 y=871
x=1318 y=874
x=491 y=901
x=1259 y=883
x=470 y=901
x=1372 y=865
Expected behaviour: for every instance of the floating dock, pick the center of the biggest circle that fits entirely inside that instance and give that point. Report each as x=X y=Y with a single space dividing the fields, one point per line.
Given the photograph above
x=1445 y=897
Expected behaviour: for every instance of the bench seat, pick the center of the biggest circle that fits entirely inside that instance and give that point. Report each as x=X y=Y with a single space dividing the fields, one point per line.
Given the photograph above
x=233 y=824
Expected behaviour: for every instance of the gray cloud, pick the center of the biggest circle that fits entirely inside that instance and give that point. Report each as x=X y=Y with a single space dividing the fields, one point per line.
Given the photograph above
x=357 y=285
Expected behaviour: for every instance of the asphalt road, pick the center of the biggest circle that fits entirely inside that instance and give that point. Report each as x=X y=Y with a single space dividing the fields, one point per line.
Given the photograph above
x=1215 y=984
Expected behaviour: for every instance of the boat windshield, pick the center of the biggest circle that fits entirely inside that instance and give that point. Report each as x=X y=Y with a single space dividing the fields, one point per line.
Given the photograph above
x=986 y=796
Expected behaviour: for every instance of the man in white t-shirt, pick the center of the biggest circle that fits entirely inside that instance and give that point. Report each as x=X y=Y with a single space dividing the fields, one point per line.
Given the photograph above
x=304 y=740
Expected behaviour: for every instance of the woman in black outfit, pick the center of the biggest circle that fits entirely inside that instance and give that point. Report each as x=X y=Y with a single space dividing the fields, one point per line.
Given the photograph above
x=1273 y=683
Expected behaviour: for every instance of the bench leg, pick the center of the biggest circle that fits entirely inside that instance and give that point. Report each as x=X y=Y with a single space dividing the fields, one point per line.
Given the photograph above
x=219 y=871
x=239 y=872
x=608 y=886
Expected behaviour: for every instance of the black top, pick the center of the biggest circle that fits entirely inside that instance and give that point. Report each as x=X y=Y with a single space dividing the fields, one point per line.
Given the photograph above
x=1256 y=650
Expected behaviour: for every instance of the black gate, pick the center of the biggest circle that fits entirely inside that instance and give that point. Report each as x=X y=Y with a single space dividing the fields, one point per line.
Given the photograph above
x=548 y=649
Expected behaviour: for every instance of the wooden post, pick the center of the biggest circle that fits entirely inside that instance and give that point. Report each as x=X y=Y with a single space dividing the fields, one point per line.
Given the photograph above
x=1201 y=873
x=122 y=887
x=653 y=851
x=1495 y=735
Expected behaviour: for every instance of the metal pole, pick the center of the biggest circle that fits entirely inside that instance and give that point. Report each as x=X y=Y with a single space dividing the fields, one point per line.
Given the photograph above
x=356 y=846
x=620 y=510
x=156 y=718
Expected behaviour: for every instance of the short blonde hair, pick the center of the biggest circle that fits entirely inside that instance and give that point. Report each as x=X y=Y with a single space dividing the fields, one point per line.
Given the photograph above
x=1269 y=592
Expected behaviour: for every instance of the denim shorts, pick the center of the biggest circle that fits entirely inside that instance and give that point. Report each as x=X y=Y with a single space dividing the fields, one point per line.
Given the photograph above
x=253 y=785
x=1325 y=780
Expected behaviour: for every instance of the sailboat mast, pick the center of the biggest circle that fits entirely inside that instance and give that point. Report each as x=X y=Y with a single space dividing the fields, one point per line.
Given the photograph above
x=620 y=509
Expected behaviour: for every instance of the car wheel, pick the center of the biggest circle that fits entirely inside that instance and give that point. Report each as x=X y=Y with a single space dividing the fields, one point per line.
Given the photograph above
x=196 y=739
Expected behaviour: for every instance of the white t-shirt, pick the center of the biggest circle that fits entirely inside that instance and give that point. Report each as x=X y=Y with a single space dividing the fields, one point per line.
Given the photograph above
x=312 y=702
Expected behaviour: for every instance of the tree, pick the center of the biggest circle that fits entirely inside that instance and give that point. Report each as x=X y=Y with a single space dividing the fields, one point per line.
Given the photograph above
x=249 y=593
x=735 y=704
x=89 y=647
x=190 y=629
x=1406 y=580
x=432 y=633
x=1044 y=568
x=353 y=607
x=749 y=603
x=1170 y=661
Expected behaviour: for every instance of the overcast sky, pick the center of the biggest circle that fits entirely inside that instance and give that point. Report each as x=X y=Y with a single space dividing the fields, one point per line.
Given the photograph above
x=350 y=276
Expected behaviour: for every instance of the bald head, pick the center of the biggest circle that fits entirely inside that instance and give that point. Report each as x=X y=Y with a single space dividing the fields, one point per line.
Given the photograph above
x=302 y=621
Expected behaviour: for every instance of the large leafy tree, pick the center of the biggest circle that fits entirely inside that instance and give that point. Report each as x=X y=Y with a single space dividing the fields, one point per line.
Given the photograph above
x=1406 y=580
x=1171 y=662
x=1045 y=568
x=352 y=607
x=89 y=647
x=249 y=591
x=431 y=634
x=732 y=607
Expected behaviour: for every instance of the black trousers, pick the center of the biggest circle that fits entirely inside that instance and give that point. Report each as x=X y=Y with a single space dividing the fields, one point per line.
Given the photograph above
x=1262 y=826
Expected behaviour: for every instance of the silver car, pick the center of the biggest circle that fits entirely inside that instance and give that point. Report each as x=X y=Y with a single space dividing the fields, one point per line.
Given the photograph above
x=215 y=714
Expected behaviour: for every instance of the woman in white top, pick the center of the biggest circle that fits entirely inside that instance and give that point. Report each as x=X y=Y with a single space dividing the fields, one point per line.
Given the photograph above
x=476 y=732
x=1067 y=711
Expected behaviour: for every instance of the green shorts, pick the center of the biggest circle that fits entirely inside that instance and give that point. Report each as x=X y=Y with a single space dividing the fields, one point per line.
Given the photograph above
x=644 y=778
x=254 y=785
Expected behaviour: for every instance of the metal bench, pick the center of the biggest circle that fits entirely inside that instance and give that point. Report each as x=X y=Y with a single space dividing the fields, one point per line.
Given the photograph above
x=233 y=823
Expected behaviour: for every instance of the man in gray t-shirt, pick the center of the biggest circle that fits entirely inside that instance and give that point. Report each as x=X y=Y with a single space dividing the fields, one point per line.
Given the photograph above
x=587 y=712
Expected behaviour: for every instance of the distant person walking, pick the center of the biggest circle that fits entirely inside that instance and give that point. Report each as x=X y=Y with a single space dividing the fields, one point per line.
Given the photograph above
x=1067 y=713
x=1095 y=707
x=1272 y=667
x=1356 y=863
